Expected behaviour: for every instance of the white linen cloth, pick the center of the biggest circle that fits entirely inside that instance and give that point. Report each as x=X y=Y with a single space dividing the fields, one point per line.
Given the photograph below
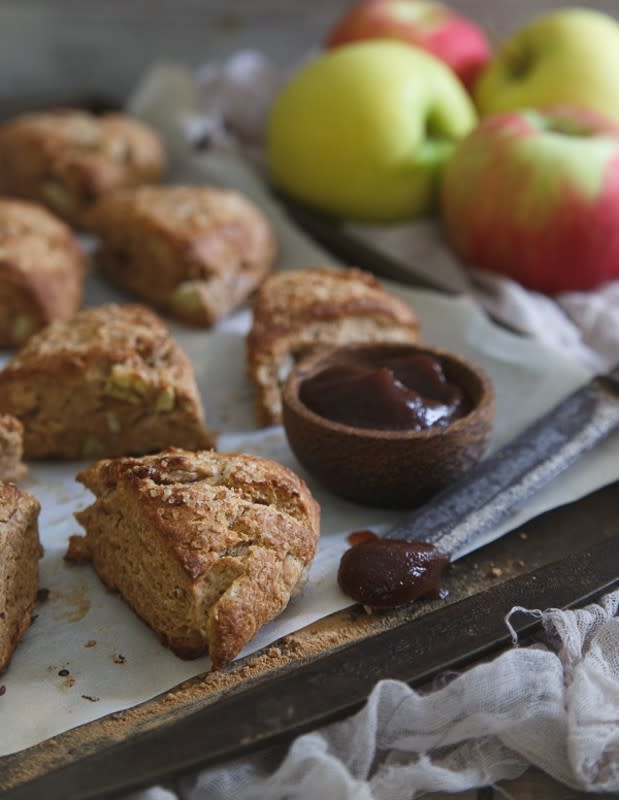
x=584 y=324
x=554 y=706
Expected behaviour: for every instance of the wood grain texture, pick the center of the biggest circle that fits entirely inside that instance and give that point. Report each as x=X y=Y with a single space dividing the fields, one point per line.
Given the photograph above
x=533 y=785
x=65 y=51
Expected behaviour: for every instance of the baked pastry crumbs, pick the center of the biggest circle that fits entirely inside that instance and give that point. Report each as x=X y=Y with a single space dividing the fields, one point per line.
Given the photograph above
x=296 y=312
x=108 y=382
x=195 y=252
x=20 y=551
x=68 y=159
x=12 y=467
x=205 y=547
x=41 y=270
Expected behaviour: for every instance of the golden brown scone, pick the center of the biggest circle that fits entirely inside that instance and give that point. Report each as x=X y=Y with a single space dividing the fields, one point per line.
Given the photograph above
x=193 y=251
x=205 y=547
x=68 y=159
x=108 y=382
x=297 y=312
x=11 y=449
x=41 y=271
x=20 y=551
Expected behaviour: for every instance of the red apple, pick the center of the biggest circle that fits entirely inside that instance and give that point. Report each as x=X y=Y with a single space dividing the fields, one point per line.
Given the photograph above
x=534 y=195
x=434 y=27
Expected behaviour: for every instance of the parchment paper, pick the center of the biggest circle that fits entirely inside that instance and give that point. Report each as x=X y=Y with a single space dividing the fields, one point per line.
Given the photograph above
x=109 y=660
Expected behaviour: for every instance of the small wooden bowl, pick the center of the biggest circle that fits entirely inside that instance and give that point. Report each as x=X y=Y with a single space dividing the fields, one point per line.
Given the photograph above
x=391 y=469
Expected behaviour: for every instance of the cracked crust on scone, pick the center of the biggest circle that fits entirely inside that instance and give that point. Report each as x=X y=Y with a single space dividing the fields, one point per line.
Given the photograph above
x=68 y=159
x=20 y=551
x=108 y=382
x=41 y=271
x=12 y=467
x=205 y=547
x=297 y=312
x=195 y=252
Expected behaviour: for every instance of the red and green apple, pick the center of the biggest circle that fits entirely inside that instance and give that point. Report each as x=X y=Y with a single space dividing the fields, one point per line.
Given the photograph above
x=534 y=195
x=455 y=40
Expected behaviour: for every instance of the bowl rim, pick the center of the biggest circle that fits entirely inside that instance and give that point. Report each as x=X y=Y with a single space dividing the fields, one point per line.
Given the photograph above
x=292 y=401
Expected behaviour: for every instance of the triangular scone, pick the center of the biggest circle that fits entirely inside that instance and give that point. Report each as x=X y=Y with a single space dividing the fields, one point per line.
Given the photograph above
x=297 y=312
x=205 y=547
x=108 y=382
x=20 y=551
x=67 y=159
x=210 y=248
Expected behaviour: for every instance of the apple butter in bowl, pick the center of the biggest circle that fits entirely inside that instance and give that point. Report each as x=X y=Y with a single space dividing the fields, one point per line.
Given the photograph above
x=387 y=424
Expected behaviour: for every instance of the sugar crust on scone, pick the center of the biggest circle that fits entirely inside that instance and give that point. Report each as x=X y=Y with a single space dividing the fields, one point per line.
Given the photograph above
x=110 y=381
x=41 y=270
x=205 y=547
x=67 y=159
x=196 y=252
x=296 y=312
x=20 y=551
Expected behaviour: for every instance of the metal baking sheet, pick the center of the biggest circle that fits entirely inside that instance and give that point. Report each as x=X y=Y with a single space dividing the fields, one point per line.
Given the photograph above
x=87 y=655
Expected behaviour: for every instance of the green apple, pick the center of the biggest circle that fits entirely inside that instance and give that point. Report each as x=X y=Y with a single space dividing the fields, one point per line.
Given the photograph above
x=567 y=57
x=364 y=130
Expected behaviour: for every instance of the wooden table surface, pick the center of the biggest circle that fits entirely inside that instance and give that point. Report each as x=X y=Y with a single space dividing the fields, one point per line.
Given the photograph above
x=70 y=51
x=67 y=50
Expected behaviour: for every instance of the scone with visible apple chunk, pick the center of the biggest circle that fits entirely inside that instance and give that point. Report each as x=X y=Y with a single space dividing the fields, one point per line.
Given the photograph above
x=108 y=382
x=195 y=252
x=297 y=312
x=41 y=271
x=205 y=547
x=68 y=159
x=20 y=551
x=12 y=467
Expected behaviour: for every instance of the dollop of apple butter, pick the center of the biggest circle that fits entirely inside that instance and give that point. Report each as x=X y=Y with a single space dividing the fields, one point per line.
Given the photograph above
x=386 y=573
x=399 y=392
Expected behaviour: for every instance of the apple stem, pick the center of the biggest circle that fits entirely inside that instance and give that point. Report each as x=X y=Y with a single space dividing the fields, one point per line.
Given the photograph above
x=520 y=62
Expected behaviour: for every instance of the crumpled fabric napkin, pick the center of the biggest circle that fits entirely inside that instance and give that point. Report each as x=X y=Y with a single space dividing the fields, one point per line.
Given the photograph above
x=583 y=324
x=554 y=706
